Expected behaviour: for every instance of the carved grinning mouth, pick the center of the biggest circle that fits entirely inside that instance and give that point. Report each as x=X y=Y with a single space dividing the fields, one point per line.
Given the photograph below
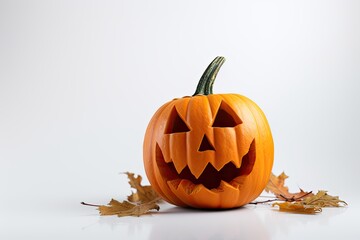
x=210 y=177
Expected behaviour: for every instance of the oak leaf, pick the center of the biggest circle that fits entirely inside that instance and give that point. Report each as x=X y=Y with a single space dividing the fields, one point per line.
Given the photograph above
x=143 y=193
x=276 y=185
x=322 y=199
x=300 y=202
x=312 y=204
x=140 y=202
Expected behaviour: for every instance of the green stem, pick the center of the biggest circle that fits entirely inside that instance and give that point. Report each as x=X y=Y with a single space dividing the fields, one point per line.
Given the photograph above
x=206 y=82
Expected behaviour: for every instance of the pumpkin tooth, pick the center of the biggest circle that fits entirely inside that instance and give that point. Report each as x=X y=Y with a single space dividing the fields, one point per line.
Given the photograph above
x=179 y=165
x=197 y=167
x=175 y=183
x=219 y=163
x=186 y=186
x=224 y=186
x=236 y=163
x=238 y=182
x=167 y=160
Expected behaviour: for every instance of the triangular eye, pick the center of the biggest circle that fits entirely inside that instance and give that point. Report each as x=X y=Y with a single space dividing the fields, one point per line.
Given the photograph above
x=175 y=123
x=226 y=117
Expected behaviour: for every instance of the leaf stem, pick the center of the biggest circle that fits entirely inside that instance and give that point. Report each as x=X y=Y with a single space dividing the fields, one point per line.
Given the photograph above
x=266 y=201
x=293 y=199
x=88 y=204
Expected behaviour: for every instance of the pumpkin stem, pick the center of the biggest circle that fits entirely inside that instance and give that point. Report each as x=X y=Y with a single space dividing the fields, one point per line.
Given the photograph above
x=206 y=82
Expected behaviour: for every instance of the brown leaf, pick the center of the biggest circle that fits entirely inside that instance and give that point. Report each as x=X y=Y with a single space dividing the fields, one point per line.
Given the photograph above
x=297 y=207
x=126 y=208
x=143 y=193
x=322 y=199
x=276 y=185
x=139 y=203
x=312 y=204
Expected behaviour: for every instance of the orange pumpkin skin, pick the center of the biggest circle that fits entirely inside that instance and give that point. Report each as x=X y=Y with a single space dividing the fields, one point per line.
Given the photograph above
x=209 y=150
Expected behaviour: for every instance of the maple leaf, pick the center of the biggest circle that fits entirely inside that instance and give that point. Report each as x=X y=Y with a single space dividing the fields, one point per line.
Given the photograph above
x=276 y=185
x=126 y=208
x=139 y=203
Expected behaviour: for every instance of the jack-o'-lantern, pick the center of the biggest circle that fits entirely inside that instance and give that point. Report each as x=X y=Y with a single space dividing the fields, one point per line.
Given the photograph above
x=209 y=150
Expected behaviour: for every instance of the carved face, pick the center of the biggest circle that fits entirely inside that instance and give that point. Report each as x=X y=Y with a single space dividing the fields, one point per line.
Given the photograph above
x=213 y=151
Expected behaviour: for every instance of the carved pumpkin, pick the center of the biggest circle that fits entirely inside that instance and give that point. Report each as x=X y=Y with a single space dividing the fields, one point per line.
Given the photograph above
x=209 y=150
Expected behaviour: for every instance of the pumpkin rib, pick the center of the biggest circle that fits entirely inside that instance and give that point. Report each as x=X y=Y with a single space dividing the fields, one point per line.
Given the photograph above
x=186 y=103
x=262 y=177
x=260 y=171
x=197 y=110
x=241 y=194
x=213 y=100
x=182 y=105
x=187 y=147
x=216 y=100
x=247 y=190
x=265 y=128
x=229 y=98
x=168 y=195
x=152 y=165
x=169 y=191
x=210 y=134
x=165 y=189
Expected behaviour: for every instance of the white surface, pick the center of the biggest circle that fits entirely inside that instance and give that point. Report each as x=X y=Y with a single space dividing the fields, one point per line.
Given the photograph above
x=79 y=81
x=250 y=222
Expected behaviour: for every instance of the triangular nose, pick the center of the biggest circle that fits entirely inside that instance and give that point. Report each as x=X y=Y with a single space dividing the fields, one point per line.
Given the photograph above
x=205 y=145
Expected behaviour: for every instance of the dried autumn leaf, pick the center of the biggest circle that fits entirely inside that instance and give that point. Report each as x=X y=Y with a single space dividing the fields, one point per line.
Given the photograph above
x=312 y=204
x=139 y=203
x=126 y=208
x=276 y=185
x=297 y=207
x=301 y=202
x=143 y=193
x=322 y=199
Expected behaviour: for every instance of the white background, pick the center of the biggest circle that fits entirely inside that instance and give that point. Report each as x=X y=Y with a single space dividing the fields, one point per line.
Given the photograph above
x=79 y=81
